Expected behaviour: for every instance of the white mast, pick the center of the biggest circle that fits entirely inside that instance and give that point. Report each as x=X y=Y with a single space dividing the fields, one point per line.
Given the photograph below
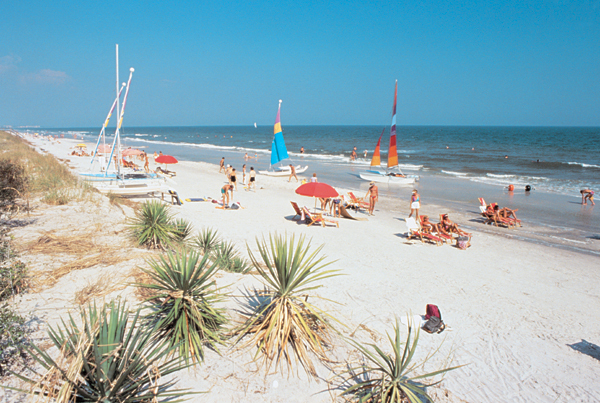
x=118 y=114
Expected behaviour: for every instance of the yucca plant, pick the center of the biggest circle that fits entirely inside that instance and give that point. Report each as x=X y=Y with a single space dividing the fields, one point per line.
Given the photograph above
x=392 y=378
x=183 y=303
x=206 y=241
x=104 y=360
x=226 y=258
x=153 y=225
x=183 y=230
x=286 y=327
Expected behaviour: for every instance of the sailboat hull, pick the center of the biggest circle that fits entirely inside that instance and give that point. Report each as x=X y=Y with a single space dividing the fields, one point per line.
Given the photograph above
x=384 y=178
x=284 y=171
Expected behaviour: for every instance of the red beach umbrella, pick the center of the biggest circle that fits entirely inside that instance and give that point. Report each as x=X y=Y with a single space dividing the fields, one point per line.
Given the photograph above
x=317 y=189
x=165 y=159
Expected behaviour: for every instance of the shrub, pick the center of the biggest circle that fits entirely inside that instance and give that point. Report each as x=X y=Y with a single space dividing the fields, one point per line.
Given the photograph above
x=13 y=182
x=183 y=230
x=391 y=378
x=13 y=337
x=206 y=241
x=183 y=298
x=104 y=360
x=153 y=226
x=226 y=258
x=286 y=325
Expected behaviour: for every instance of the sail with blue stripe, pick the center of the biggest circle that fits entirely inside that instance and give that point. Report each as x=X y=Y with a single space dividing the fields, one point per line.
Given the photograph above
x=278 y=149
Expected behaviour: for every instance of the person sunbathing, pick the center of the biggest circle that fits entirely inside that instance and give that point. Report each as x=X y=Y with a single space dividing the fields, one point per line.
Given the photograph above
x=428 y=226
x=505 y=212
x=448 y=227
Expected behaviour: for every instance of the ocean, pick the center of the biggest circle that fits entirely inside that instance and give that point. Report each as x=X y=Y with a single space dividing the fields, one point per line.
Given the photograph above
x=455 y=164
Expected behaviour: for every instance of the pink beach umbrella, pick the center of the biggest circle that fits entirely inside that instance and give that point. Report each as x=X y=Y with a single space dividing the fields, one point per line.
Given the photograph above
x=131 y=151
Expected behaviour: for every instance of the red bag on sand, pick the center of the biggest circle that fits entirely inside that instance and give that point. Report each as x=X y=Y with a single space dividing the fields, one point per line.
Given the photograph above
x=432 y=310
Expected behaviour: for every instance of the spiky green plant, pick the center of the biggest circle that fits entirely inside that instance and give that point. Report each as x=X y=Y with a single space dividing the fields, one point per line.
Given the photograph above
x=104 y=360
x=206 y=241
x=153 y=226
x=183 y=230
x=286 y=327
x=183 y=303
x=392 y=378
x=226 y=258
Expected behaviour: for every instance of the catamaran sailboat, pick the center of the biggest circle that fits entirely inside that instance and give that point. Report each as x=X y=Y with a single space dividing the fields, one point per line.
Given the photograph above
x=377 y=175
x=279 y=152
x=117 y=182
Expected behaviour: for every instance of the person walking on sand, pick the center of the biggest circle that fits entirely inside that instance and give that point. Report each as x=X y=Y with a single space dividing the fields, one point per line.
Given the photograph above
x=373 y=194
x=252 y=183
x=292 y=173
x=587 y=194
x=225 y=194
x=244 y=174
x=353 y=155
x=146 y=165
x=415 y=204
x=222 y=164
x=314 y=178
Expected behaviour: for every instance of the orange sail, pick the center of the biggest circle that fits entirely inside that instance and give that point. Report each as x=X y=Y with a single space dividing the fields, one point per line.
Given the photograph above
x=376 y=160
x=393 y=153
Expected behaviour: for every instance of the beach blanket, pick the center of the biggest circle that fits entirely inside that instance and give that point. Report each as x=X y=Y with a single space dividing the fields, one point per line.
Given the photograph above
x=198 y=199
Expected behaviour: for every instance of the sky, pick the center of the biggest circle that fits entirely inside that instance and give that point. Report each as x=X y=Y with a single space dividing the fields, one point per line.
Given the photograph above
x=204 y=63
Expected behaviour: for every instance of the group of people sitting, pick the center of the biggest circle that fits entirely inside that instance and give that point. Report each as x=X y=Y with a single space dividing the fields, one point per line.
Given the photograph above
x=494 y=214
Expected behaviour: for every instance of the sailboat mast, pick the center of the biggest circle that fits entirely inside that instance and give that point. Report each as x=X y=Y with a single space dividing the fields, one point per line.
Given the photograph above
x=118 y=114
x=393 y=152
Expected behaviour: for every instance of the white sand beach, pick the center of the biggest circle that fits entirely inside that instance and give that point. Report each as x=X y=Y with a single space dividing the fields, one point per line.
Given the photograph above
x=517 y=313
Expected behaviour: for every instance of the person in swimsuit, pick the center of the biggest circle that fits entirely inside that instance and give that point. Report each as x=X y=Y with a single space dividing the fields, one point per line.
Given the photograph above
x=587 y=194
x=244 y=174
x=232 y=179
x=146 y=164
x=353 y=155
x=428 y=226
x=301 y=150
x=225 y=194
x=292 y=173
x=252 y=183
x=415 y=204
x=222 y=164
x=373 y=194
x=448 y=227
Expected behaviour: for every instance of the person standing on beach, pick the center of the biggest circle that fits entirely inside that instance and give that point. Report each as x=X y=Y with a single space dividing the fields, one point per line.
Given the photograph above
x=222 y=164
x=146 y=164
x=314 y=178
x=252 y=183
x=373 y=194
x=292 y=173
x=353 y=155
x=233 y=179
x=415 y=204
x=587 y=194
x=244 y=174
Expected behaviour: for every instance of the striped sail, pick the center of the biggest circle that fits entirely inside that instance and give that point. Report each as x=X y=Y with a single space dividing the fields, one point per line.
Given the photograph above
x=393 y=153
x=376 y=160
x=278 y=150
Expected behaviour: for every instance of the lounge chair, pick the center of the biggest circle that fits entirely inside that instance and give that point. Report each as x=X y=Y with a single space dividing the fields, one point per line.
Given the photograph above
x=312 y=218
x=159 y=170
x=175 y=197
x=414 y=230
x=438 y=238
x=496 y=219
x=357 y=203
x=297 y=210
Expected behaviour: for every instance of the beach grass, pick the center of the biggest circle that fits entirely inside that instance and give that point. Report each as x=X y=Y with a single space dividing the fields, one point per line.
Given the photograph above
x=45 y=175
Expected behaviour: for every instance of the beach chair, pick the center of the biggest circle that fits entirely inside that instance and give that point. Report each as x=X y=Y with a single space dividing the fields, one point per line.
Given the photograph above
x=297 y=210
x=426 y=234
x=492 y=218
x=175 y=197
x=356 y=203
x=414 y=230
x=312 y=218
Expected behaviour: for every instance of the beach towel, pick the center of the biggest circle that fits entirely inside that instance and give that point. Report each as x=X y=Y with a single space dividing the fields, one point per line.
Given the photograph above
x=199 y=199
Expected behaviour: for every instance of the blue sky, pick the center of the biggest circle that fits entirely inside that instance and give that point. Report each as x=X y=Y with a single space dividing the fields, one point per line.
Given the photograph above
x=335 y=62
